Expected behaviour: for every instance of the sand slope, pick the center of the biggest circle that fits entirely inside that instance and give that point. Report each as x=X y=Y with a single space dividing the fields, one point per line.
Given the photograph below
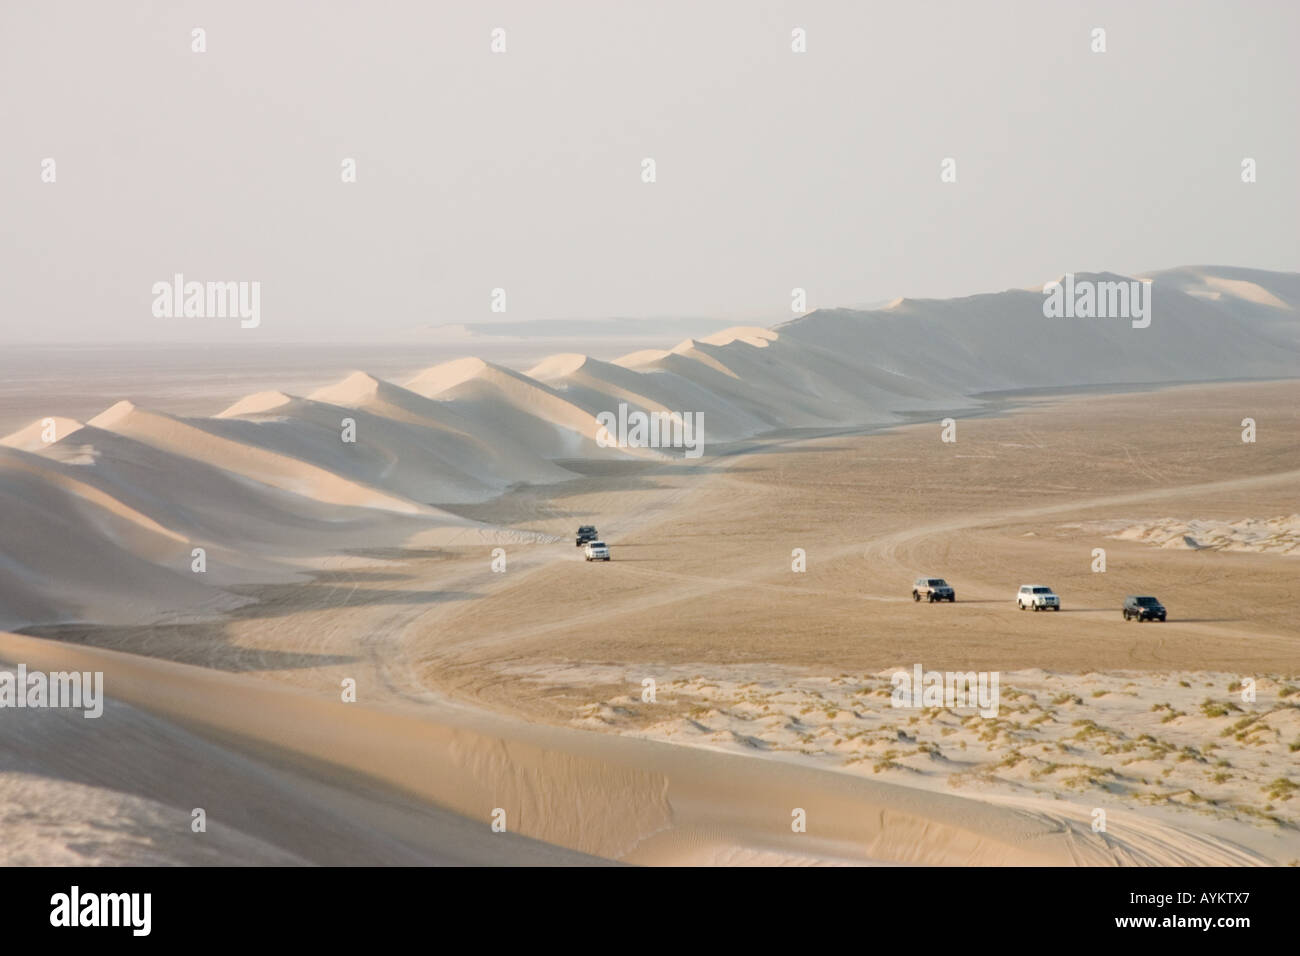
x=78 y=554
x=625 y=799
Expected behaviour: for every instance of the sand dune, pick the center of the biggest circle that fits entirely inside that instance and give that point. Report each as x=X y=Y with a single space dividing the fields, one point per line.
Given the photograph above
x=503 y=402
x=1267 y=299
x=76 y=553
x=194 y=439
x=104 y=525
x=598 y=386
x=787 y=384
x=492 y=459
x=202 y=502
x=1002 y=340
x=41 y=433
x=421 y=463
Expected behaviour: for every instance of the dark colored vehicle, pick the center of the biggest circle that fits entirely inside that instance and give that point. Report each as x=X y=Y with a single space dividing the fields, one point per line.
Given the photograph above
x=933 y=589
x=586 y=533
x=1143 y=609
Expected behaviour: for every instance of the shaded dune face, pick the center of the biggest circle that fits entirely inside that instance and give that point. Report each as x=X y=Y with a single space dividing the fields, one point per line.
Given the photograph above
x=277 y=479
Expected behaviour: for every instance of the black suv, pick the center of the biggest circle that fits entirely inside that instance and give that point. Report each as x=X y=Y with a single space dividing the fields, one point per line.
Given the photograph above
x=1143 y=609
x=586 y=533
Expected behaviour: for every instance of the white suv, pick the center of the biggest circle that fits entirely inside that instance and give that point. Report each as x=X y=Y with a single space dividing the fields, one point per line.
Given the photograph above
x=1037 y=596
x=596 y=551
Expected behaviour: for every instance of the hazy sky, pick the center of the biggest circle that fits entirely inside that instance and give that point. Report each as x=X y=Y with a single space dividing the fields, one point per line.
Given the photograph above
x=522 y=170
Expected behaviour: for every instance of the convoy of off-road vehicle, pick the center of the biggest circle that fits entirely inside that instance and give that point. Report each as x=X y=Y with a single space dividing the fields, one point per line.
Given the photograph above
x=1035 y=597
x=1039 y=597
x=592 y=549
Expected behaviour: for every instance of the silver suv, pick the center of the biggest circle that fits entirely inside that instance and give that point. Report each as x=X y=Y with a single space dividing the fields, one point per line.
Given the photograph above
x=932 y=589
x=1037 y=596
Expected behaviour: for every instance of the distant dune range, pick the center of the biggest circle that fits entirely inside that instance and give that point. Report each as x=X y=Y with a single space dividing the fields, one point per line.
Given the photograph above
x=101 y=523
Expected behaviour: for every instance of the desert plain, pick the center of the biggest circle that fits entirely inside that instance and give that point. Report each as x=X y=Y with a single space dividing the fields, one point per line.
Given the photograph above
x=521 y=694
